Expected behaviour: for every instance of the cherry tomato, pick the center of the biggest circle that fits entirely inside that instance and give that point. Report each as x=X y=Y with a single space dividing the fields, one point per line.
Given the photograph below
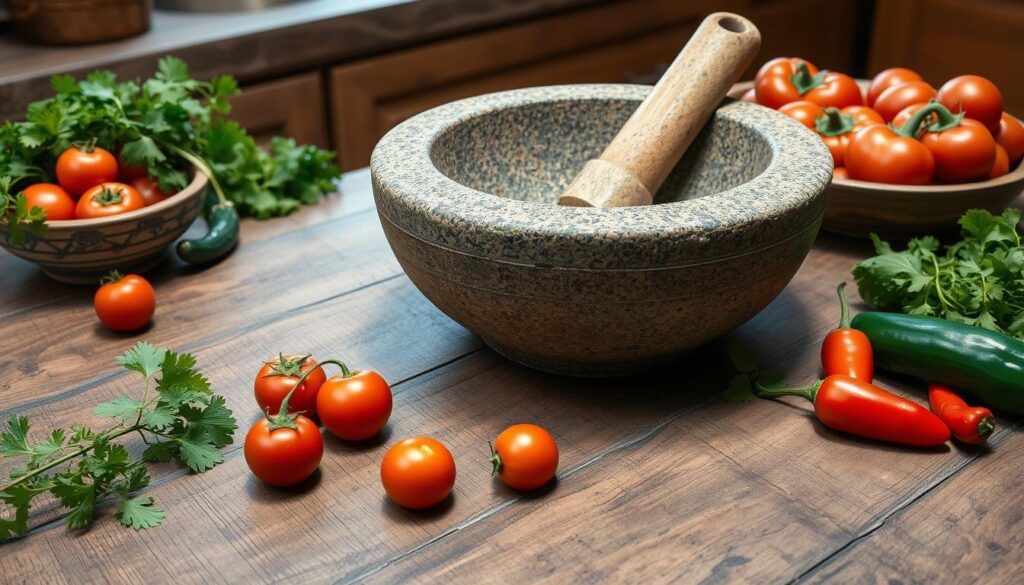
x=803 y=111
x=897 y=97
x=356 y=407
x=773 y=85
x=1011 y=137
x=877 y=153
x=963 y=153
x=749 y=96
x=838 y=90
x=59 y=206
x=839 y=173
x=278 y=376
x=1002 y=164
x=150 y=191
x=888 y=78
x=284 y=456
x=976 y=96
x=80 y=170
x=124 y=303
x=837 y=126
x=525 y=457
x=108 y=199
x=128 y=172
x=418 y=472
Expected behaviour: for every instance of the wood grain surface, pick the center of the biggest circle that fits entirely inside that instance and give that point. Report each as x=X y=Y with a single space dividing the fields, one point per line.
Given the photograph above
x=660 y=481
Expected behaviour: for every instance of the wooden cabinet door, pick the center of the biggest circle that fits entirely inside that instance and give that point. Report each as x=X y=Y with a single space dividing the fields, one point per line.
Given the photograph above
x=941 y=39
x=292 y=107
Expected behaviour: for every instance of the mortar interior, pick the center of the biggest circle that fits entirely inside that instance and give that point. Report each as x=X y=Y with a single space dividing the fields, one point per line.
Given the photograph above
x=531 y=152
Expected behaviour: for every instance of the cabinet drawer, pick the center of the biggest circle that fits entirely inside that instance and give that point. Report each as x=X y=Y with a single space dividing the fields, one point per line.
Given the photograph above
x=292 y=107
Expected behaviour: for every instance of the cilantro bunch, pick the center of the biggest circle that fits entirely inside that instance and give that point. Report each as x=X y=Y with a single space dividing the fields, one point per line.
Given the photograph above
x=151 y=122
x=176 y=415
x=978 y=280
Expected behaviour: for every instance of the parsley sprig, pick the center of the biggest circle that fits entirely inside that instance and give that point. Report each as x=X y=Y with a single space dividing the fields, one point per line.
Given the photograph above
x=978 y=280
x=177 y=416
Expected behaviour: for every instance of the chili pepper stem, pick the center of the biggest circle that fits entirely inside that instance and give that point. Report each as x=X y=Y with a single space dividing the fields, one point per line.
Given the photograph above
x=808 y=392
x=844 y=306
x=285 y=420
x=986 y=426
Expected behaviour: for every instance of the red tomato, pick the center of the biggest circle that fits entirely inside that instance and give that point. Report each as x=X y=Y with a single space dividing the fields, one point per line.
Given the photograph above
x=278 y=376
x=908 y=112
x=525 y=457
x=749 y=96
x=418 y=472
x=108 y=199
x=897 y=97
x=888 y=78
x=879 y=154
x=839 y=173
x=964 y=153
x=150 y=191
x=976 y=96
x=1011 y=137
x=838 y=90
x=80 y=170
x=356 y=407
x=280 y=455
x=1002 y=164
x=803 y=111
x=773 y=84
x=130 y=173
x=59 y=206
x=125 y=303
x=836 y=127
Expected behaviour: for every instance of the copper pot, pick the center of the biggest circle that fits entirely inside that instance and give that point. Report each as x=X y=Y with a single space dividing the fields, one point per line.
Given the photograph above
x=79 y=22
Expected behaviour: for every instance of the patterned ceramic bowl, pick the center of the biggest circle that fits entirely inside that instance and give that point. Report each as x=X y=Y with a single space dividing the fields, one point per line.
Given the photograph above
x=81 y=251
x=466 y=195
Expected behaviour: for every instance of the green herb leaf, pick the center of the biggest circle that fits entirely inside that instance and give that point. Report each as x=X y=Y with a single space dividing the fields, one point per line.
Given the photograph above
x=121 y=407
x=741 y=389
x=143 y=358
x=198 y=453
x=139 y=513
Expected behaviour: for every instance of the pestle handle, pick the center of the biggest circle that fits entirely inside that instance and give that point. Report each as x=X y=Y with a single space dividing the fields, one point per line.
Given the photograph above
x=654 y=138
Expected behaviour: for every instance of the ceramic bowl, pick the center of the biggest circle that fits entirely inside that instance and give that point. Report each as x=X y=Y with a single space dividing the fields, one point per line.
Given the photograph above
x=859 y=208
x=81 y=251
x=466 y=191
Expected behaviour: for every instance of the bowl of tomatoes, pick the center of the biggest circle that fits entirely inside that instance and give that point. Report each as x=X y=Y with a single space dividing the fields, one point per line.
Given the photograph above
x=101 y=217
x=909 y=158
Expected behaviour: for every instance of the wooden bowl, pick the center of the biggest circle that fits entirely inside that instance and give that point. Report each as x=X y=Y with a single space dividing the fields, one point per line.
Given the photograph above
x=79 y=22
x=859 y=208
x=81 y=251
x=466 y=195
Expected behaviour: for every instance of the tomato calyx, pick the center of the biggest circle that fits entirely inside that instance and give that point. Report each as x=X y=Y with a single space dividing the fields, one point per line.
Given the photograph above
x=111 y=278
x=917 y=122
x=804 y=81
x=290 y=367
x=107 y=197
x=496 y=464
x=87 y=147
x=833 y=123
x=808 y=392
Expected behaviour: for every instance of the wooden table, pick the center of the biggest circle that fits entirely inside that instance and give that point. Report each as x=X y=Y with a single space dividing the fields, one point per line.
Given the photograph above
x=660 y=480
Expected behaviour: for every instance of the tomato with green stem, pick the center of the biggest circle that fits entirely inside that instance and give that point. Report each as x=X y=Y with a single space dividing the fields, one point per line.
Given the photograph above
x=836 y=126
x=124 y=303
x=1010 y=136
x=108 y=199
x=783 y=80
x=418 y=472
x=279 y=377
x=978 y=98
x=963 y=149
x=81 y=168
x=888 y=78
x=524 y=457
x=355 y=405
x=55 y=201
x=883 y=154
x=908 y=112
x=283 y=449
x=897 y=97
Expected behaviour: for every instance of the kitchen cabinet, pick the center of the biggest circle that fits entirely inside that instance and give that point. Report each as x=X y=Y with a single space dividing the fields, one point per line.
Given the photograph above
x=941 y=39
x=293 y=107
x=620 y=42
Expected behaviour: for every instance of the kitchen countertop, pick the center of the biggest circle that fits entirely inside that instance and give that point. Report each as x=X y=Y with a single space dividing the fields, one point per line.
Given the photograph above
x=256 y=45
x=660 y=480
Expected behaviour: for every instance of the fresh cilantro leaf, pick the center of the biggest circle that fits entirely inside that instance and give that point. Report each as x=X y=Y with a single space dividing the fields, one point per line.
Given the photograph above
x=161 y=452
x=198 y=453
x=143 y=358
x=14 y=441
x=158 y=418
x=121 y=407
x=143 y=151
x=63 y=84
x=139 y=513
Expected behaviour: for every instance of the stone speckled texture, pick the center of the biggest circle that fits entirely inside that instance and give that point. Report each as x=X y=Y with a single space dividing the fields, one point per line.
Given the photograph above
x=466 y=194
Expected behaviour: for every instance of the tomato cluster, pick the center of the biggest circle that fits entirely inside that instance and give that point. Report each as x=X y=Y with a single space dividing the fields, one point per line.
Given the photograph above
x=93 y=184
x=902 y=130
x=285 y=447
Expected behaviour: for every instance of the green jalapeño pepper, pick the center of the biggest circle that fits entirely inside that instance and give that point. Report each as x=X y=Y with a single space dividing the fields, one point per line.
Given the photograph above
x=987 y=364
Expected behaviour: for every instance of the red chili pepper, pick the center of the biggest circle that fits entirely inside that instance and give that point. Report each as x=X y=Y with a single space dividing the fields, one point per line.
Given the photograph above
x=970 y=424
x=860 y=408
x=847 y=351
